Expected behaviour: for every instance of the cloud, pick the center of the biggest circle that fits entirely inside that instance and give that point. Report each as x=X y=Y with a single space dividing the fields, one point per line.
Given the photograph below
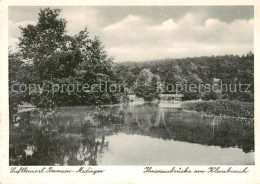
x=127 y=23
x=13 y=43
x=77 y=19
x=189 y=19
x=23 y=23
x=212 y=23
x=14 y=30
x=139 y=53
x=168 y=25
x=135 y=38
x=80 y=17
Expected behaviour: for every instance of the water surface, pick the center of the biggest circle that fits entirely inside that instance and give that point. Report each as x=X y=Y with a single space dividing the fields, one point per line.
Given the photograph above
x=133 y=134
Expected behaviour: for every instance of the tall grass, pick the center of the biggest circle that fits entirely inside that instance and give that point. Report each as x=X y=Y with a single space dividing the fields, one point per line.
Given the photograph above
x=222 y=108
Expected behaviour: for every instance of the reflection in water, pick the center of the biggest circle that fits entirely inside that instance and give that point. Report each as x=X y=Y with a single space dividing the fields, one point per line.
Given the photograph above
x=98 y=135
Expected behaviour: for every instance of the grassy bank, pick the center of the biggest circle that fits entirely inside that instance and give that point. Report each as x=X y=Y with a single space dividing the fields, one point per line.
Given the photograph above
x=222 y=108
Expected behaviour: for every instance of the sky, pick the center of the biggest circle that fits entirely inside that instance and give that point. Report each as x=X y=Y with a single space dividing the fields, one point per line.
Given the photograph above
x=138 y=33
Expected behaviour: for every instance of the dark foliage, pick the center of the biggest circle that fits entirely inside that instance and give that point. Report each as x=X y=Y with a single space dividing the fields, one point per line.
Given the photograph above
x=229 y=69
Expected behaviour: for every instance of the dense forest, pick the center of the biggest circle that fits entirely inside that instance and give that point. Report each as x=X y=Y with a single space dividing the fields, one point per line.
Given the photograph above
x=230 y=69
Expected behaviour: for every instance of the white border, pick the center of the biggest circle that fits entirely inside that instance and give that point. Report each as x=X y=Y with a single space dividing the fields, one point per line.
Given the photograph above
x=118 y=174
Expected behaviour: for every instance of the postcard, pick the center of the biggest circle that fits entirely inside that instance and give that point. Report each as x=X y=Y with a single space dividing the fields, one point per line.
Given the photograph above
x=129 y=92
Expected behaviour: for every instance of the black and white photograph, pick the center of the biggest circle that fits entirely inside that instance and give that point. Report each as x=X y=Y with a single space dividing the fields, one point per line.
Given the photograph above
x=131 y=85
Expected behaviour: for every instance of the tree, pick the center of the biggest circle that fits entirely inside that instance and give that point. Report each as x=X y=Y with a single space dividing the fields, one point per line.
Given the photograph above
x=15 y=95
x=57 y=58
x=147 y=85
x=43 y=38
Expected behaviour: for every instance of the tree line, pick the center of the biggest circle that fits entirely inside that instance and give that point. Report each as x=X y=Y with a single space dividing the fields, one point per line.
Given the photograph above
x=230 y=69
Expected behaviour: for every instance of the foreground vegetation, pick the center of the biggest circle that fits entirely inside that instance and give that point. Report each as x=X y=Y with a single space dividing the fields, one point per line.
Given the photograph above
x=222 y=108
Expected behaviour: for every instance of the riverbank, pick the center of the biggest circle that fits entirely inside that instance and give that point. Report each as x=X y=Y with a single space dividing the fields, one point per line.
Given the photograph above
x=222 y=108
x=225 y=108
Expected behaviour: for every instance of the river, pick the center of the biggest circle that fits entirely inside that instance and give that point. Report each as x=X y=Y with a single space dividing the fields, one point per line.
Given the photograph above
x=132 y=134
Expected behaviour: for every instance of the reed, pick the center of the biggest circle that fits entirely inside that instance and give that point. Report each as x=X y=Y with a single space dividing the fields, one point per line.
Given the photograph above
x=222 y=108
